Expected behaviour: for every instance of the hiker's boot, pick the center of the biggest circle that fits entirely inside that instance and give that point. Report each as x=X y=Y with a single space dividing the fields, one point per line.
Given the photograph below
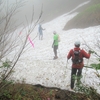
x=55 y=57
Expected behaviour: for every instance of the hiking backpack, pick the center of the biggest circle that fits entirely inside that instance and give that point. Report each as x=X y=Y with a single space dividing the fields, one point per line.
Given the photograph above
x=58 y=38
x=77 y=57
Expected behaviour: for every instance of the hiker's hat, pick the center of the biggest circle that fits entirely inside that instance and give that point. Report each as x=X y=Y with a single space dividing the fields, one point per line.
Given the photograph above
x=77 y=43
x=54 y=32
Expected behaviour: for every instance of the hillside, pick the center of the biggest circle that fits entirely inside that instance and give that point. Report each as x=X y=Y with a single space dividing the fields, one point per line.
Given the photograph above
x=36 y=75
x=89 y=16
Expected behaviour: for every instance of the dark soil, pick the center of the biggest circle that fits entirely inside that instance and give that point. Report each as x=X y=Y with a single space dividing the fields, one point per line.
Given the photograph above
x=38 y=92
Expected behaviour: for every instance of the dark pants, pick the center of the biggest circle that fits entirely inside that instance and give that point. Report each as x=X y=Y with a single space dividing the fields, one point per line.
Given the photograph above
x=74 y=72
x=40 y=36
x=55 y=50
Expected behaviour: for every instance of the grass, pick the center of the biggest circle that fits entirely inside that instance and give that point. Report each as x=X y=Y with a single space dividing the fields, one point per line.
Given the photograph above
x=37 y=92
x=89 y=10
x=88 y=17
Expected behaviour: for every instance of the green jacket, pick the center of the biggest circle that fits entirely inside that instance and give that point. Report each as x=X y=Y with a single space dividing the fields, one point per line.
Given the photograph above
x=55 y=38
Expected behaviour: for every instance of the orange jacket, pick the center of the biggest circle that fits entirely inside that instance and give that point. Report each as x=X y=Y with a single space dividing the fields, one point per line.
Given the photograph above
x=83 y=54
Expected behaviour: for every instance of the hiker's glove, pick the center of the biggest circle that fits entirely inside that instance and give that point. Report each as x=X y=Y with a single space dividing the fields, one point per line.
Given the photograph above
x=90 y=51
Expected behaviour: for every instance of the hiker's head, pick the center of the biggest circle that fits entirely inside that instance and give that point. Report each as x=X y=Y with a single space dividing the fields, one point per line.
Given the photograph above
x=54 y=32
x=77 y=44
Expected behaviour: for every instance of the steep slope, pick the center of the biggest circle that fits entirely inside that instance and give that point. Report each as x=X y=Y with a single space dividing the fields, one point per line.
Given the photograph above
x=86 y=18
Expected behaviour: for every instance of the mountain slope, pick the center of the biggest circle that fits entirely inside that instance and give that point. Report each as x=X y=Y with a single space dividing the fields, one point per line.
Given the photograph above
x=86 y=18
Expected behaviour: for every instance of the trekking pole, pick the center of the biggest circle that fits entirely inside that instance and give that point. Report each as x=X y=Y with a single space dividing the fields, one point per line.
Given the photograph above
x=66 y=63
x=66 y=67
x=58 y=52
x=86 y=69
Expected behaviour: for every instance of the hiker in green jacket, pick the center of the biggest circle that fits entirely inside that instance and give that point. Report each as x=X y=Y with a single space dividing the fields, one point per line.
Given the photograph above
x=55 y=44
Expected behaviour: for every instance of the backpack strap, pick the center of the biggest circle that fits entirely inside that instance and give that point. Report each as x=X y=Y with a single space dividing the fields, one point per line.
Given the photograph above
x=76 y=50
x=77 y=58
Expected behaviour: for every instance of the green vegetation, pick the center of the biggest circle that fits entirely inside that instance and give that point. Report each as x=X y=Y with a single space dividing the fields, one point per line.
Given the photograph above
x=90 y=16
x=25 y=92
x=32 y=92
x=16 y=91
x=89 y=10
x=96 y=66
x=88 y=91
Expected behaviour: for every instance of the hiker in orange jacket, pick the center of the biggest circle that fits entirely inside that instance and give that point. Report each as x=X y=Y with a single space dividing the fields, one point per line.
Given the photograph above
x=77 y=66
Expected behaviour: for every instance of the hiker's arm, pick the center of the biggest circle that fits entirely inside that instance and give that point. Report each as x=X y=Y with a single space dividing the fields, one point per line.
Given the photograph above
x=85 y=54
x=42 y=28
x=69 y=55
